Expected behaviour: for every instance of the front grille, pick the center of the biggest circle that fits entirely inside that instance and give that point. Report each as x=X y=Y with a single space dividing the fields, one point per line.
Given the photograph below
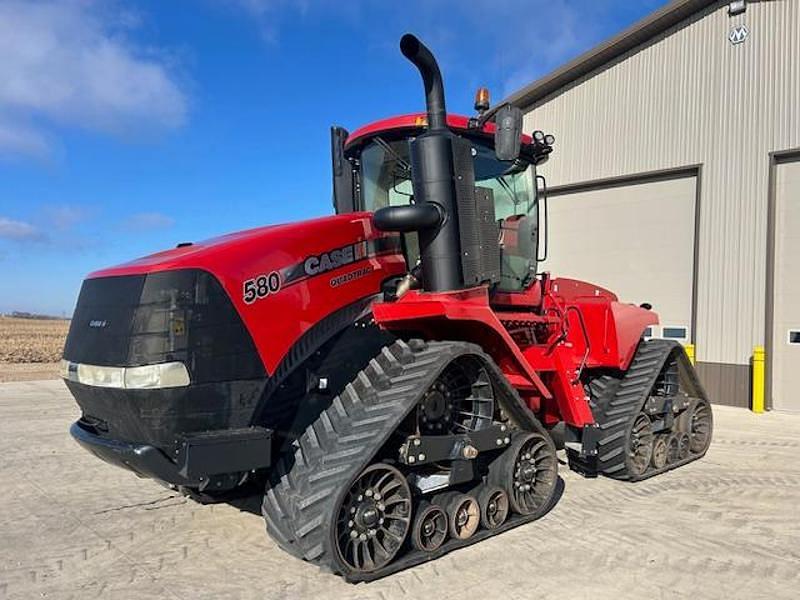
x=99 y=333
x=181 y=315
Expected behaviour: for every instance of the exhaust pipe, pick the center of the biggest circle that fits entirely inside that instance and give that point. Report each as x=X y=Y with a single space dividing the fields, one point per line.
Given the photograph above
x=435 y=213
x=423 y=59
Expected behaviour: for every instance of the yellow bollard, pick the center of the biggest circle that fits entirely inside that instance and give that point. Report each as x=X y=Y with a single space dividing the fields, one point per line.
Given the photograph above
x=690 y=352
x=758 y=380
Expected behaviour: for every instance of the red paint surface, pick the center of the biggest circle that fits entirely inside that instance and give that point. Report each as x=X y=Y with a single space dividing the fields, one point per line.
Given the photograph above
x=546 y=372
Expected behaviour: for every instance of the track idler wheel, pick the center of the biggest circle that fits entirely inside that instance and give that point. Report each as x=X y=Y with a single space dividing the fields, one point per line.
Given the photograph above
x=374 y=518
x=528 y=470
x=640 y=446
x=463 y=513
x=430 y=527
x=494 y=504
x=700 y=426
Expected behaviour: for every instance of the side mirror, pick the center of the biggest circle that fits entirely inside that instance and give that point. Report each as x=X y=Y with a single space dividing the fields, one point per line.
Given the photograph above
x=343 y=184
x=508 y=121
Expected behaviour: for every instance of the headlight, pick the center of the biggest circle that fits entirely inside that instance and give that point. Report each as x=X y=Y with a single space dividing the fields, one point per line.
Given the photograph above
x=148 y=377
x=101 y=376
x=165 y=375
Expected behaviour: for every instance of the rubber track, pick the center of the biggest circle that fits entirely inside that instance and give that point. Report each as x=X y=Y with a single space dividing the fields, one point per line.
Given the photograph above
x=617 y=402
x=299 y=507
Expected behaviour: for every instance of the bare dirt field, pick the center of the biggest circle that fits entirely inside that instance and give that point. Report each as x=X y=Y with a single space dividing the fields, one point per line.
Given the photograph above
x=723 y=527
x=30 y=348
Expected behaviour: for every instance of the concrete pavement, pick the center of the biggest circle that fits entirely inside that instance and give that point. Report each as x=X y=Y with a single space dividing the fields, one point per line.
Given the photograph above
x=74 y=527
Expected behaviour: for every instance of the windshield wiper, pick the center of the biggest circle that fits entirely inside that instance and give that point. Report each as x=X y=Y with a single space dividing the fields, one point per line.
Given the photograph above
x=405 y=166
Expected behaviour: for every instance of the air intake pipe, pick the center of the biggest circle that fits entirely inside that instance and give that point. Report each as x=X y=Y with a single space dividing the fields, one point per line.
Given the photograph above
x=433 y=178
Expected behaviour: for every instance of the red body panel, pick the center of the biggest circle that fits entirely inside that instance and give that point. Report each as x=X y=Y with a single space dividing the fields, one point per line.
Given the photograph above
x=578 y=325
x=278 y=320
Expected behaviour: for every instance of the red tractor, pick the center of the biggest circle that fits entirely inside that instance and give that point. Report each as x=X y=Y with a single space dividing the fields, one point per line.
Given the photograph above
x=392 y=375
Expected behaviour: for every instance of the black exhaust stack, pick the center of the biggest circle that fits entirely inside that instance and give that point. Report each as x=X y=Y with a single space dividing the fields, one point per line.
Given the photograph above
x=423 y=59
x=433 y=178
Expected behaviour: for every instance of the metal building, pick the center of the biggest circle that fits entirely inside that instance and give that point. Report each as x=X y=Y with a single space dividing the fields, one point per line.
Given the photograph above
x=676 y=181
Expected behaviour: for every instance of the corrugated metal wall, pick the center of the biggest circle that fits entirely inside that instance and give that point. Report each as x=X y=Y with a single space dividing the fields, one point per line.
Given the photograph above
x=691 y=97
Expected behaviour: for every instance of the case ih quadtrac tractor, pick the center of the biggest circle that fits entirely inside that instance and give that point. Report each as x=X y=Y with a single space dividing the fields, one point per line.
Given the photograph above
x=390 y=375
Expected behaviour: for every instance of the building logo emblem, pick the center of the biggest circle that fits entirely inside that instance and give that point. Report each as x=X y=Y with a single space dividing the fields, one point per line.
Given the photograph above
x=738 y=34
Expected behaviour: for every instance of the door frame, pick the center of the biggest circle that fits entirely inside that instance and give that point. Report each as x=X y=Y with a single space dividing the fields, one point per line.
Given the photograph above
x=775 y=160
x=695 y=170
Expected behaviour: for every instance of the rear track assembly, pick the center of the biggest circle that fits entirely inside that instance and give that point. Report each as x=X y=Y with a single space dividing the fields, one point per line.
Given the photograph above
x=654 y=418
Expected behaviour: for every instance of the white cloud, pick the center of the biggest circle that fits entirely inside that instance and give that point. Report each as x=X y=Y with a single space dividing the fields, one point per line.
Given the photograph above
x=269 y=14
x=71 y=63
x=17 y=138
x=64 y=216
x=147 y=221
x=19 y=231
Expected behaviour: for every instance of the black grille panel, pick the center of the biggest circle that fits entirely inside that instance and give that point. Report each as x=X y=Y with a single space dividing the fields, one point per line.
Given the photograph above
x=99 y=333
x=181 y=315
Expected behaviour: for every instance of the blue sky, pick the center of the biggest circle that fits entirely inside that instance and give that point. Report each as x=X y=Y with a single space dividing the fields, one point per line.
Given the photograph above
x=126 y=127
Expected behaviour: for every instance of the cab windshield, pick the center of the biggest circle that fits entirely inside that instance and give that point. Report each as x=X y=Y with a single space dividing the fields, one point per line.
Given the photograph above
x=386 y=178
x=386 y=181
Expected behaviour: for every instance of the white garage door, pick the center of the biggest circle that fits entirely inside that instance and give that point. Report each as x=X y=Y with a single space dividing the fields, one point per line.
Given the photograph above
x=786 y=316
x=636 y=240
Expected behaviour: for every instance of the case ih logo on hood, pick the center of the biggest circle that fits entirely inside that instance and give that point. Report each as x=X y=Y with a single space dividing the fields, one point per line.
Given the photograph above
x=327 y=261
x=317 y=264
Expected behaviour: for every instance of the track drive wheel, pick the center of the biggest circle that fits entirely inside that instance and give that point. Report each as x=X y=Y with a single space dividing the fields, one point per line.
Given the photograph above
x=430 y=527
x=528 y=470
x=374 y=518
x=494 y=504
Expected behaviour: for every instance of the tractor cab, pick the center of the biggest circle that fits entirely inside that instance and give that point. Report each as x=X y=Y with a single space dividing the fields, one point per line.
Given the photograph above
x=373 y=171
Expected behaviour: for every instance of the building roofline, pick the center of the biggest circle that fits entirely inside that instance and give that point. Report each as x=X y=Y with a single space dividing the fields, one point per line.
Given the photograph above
x=637 y=34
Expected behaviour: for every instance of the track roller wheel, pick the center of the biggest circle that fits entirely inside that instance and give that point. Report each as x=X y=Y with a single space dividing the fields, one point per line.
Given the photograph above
x=659 y=458
x=528 y=470
x=640 y=446
x=463 y=513
x=493 y=501
x=684 y=443
x=673 y=448
x=374 y=518
x=700 y=426
x=430 y=527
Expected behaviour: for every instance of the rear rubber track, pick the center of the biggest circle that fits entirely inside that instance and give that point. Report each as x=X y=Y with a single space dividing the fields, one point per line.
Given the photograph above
x=617 y=401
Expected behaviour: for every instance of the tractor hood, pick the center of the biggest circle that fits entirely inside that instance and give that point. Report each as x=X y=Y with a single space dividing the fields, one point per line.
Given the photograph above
x=280 y=280
x=240 y=246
